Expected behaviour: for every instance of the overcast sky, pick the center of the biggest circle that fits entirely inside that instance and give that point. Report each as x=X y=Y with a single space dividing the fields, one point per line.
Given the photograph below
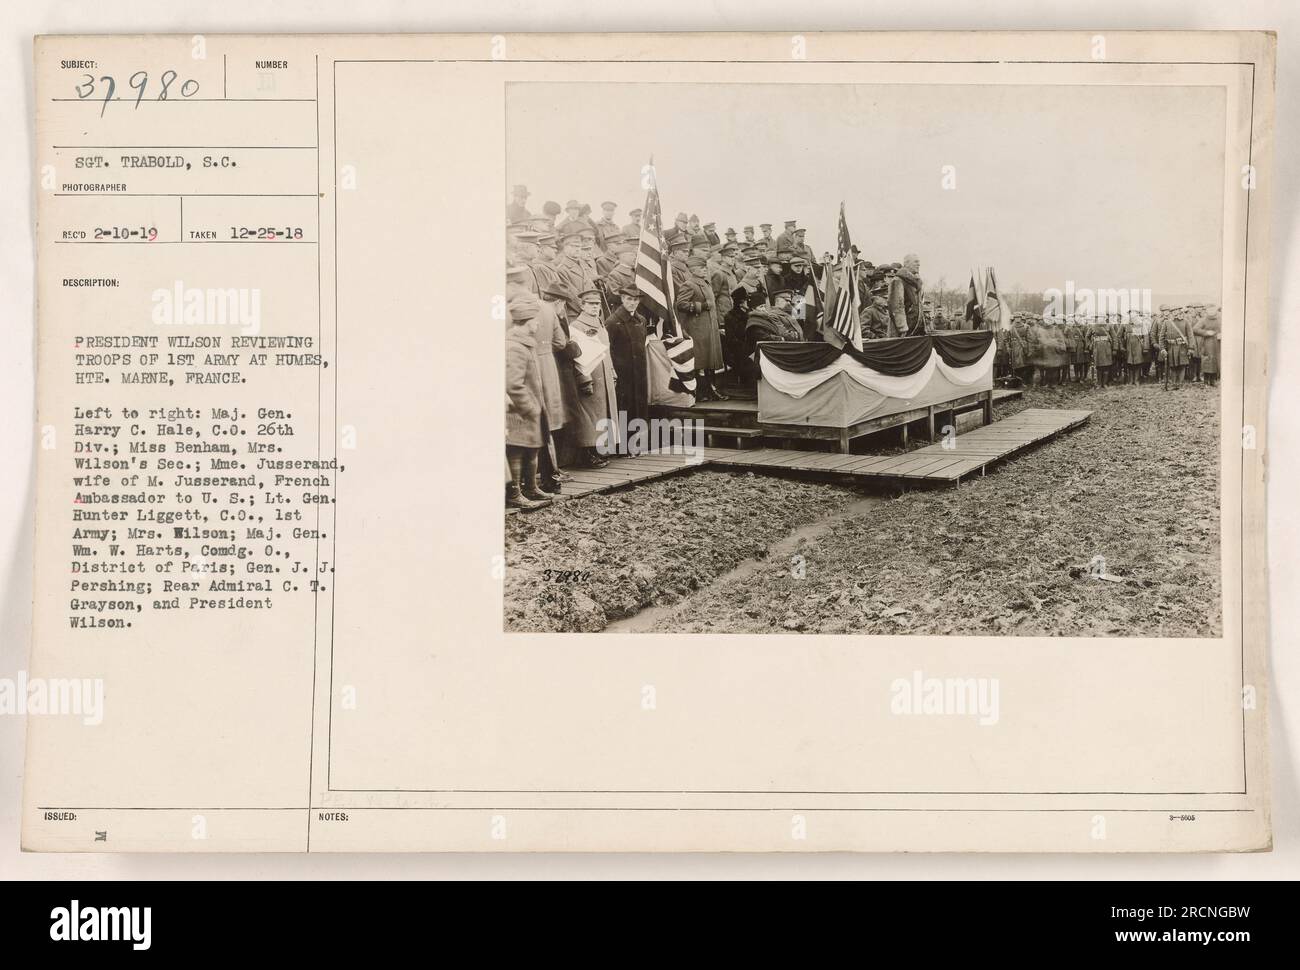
x=1110 y=187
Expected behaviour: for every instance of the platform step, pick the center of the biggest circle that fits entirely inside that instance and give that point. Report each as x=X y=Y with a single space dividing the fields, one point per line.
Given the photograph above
x=732 y=432
x=715 y=414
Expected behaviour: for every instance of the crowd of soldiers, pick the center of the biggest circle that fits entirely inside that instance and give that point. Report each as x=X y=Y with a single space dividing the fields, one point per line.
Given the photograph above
x=571 y=287
x=1174 y=345
x=571 y=281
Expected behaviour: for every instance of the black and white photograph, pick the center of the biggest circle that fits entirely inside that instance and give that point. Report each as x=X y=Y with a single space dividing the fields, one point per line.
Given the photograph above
x=877 y=359
x=890 y=417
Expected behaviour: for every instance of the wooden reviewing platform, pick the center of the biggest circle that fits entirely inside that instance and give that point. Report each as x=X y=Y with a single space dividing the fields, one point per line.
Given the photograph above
x=735 y=422
x=969 y=452
x=937 y=464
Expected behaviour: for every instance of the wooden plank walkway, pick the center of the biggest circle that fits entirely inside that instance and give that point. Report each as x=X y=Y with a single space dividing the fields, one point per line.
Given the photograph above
x=621 y=472
x=936 y=464
x=969 y=452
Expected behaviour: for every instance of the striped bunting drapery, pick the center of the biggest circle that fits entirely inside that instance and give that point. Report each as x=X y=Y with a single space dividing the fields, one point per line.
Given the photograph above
x=894 y=356
x=899 y=367
x=654 y=278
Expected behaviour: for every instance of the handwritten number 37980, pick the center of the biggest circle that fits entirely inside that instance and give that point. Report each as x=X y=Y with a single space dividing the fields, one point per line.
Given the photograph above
x=139 y=82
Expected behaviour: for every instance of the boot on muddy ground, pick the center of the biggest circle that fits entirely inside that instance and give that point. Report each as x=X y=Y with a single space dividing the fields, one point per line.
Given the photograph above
x=528 y=481
x=516 y=500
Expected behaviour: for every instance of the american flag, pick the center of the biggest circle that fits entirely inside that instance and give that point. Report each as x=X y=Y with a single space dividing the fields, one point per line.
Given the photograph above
x=972 y=299
x=995 y=311
x=654 y=278
x=841 y=302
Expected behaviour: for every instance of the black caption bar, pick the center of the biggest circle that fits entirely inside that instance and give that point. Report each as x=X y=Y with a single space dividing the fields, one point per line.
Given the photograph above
x=338 y=919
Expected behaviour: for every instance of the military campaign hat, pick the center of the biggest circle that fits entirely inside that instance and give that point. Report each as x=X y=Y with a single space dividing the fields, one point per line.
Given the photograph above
x=547 y=239
x=678 y=242
x=524 y=306
x=629 y=290
x=558 y=290
x=730 y=232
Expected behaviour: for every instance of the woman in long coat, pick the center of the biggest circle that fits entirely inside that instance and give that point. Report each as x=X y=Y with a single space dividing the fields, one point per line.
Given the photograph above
x=698 y=315
x=627 y=336
x=558 y=297
x=596 y=426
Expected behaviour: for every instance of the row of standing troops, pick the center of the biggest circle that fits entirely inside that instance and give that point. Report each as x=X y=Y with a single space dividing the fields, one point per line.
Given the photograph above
x=1177 y=343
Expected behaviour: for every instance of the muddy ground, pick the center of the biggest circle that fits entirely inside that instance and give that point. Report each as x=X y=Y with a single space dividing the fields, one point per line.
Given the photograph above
x=648 y=545
x=1133 y=495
